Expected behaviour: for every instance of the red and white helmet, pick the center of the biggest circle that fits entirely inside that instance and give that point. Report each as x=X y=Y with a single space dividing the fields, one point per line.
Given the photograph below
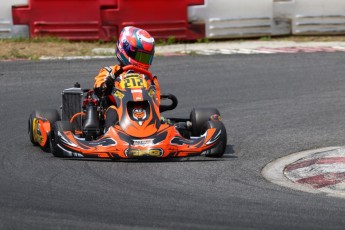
x=136 y=47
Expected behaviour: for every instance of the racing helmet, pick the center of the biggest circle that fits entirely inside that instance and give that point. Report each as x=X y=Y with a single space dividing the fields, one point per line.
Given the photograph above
x=136 y=47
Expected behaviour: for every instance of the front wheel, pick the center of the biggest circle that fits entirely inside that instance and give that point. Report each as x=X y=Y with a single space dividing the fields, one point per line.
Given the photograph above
x=59 y=126
x=219 y=149
x=199 y=116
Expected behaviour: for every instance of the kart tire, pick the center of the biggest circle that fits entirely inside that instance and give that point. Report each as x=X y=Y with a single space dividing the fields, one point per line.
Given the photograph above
x=219 y=149
x=51 y=115
x=199 y=116
x=58 y=126
x=30 y=129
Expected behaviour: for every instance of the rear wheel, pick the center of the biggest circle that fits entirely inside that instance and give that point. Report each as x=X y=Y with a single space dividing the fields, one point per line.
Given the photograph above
x=31 y=129
x=51 y=115
x=58 y=126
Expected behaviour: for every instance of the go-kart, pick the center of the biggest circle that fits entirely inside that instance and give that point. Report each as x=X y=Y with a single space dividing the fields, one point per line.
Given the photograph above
x=140 y=131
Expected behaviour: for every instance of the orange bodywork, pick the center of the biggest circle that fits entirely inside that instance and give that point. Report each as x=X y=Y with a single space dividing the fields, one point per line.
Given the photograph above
x=139 y=133
x=167 y=142
x=41 y=128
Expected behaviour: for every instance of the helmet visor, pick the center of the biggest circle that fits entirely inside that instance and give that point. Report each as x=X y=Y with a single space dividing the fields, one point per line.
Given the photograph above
x=141 y=57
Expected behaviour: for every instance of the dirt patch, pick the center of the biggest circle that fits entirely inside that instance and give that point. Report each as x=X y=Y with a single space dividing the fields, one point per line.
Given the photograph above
x=34 y=50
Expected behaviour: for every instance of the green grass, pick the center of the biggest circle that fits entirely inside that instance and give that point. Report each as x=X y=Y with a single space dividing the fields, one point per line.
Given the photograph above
x=38 y=39
x=17 y=54
x=266 y=38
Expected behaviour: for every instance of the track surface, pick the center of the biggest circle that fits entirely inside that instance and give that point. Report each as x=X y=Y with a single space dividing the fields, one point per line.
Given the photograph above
x=272 y=105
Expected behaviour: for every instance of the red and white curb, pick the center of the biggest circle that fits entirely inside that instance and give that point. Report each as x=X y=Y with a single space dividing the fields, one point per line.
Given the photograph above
x=252 y=47
x=226 y=48
x=314 y=171
x=74 y=57
x=268 y=50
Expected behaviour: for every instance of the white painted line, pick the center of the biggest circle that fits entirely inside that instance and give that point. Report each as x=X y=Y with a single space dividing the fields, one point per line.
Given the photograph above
x=74 y=57
x=339 y=48
x=246 y=51
x=207 y=52
x=227 y=51
x=264 y=52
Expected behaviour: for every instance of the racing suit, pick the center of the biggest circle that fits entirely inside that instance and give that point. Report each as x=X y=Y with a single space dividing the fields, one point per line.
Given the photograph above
x=101 y=87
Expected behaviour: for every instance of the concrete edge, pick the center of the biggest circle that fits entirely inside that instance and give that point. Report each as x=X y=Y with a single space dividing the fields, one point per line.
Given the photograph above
x=185 y=49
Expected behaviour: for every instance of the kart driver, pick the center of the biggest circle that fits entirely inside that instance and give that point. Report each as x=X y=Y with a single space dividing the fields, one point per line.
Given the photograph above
x=136 y=47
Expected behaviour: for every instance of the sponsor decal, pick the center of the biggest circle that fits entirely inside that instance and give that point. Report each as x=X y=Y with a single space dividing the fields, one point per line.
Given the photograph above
x=145 y=142
x=137 y=94
x=118 y=94
x=152 y=92
x=145 y=152
x=139 y=113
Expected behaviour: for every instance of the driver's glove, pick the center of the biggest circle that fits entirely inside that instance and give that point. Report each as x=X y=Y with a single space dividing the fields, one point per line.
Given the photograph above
x=107 y=85
x=109 y=81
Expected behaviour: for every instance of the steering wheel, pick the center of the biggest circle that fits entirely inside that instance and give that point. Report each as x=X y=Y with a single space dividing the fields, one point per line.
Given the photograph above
x=137 y=69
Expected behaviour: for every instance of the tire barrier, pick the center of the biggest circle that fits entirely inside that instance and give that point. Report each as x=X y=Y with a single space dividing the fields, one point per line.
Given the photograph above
x=178 y=19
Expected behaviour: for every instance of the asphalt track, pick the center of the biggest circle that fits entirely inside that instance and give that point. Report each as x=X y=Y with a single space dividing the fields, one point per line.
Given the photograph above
x=272 y=105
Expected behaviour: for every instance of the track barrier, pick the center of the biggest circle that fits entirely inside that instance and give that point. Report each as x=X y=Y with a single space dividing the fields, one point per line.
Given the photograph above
x=233 y=18
x=319 y=17
x=104 y=19
x=178 y=19
x=7 y=29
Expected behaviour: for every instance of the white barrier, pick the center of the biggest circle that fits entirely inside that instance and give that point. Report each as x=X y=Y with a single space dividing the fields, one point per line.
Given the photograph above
x=233 y=18
x=248 y=18
x=282 y=11
x=319 y=17
x=7 y=29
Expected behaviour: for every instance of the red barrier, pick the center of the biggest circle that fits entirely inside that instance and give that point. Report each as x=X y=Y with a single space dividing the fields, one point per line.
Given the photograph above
x=69 y=19
x=104 y=19
x=162 y=19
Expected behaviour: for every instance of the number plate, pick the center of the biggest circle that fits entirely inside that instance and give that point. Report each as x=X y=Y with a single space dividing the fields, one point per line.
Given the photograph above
x=133 y=82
